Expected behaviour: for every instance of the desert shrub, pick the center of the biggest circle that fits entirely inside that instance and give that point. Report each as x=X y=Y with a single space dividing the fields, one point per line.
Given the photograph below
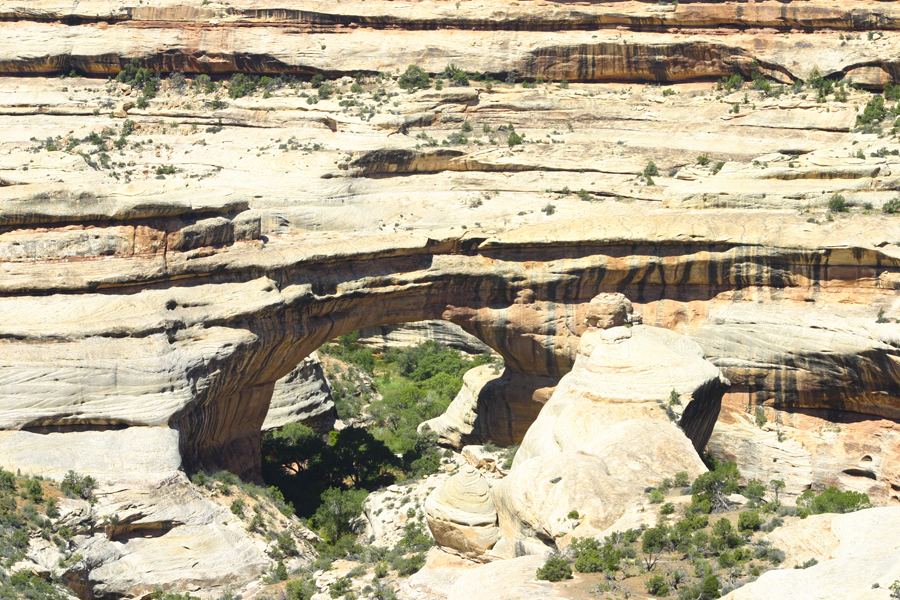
x=837 y=203
x=592 y=556
x=407 y=565
x=832 y=500
x=300 y=589
x=136 y=76
x=78 y=486
x=555 y=569
x=414 y=78
x=891 y=207
x=729 y=84
x=710 y=489
x=657 y=586
x=682 y=479
x=749 y=520
x=709 y=588
x=873 y=113
x=455 y=76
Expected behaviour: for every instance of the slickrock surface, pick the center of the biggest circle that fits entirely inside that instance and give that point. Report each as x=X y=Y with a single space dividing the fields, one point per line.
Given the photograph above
x=855 y=551
x=447 y=576
x=534 y=500
x=140 y=535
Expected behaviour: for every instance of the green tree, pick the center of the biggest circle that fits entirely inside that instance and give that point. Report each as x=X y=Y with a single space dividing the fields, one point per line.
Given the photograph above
x=748 y=521
x=755 y=491
x=657 y=586
x=555 y=569
x=293 y=446
x=414 y=78
x=338 y=515
x=710 y=587
x=357 y=454
x=777 y=485
x=653 y=543
x=715 y=485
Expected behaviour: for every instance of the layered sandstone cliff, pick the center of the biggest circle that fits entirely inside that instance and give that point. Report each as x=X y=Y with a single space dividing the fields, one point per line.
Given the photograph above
x=157 y=293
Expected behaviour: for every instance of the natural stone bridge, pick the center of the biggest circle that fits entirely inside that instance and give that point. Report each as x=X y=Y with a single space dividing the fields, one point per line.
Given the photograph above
x=165 y=353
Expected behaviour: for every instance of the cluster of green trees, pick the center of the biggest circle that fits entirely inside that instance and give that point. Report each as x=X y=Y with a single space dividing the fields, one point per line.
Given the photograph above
x=722 y=553
x=28 y=507
x=327 y=479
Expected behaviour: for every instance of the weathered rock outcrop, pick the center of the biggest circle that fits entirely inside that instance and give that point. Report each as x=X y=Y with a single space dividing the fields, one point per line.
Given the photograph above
x=492 y=406
x=303 y=395
x=461 y=513
x=145 y=534
x=628 y=380
x=534 y=501
x=165 y=261
x=606 y=432
x=202 y=356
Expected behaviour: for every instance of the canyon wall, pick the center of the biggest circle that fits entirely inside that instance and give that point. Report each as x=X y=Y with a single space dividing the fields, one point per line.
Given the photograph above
x=171 y=257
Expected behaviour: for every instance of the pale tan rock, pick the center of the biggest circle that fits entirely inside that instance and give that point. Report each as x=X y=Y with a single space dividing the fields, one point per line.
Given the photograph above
x=410 y=334
x=609 y=310
x=810 y=450
x=512 y=579
x=303 y=395
x=622 y=374
x=534 y=501
x=855 y=551
x=435 y=580
x=147 y=532
x=492 y=406
x=461 y=513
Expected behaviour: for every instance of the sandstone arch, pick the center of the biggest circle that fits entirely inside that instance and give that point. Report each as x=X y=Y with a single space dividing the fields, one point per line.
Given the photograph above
x=186 y=345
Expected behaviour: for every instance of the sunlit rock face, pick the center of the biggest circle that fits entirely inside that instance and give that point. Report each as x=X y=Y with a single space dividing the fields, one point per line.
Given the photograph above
x=608 y=431
x=303 y=395
x=162 y=287
x=197 y=348
x=461 y=513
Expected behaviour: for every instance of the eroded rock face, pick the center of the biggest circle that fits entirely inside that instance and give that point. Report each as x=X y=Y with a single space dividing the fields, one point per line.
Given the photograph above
x=810 y=449
x=533 y=502
x=142 y=305
x=624 y=374
x=409 y=334
x=607 y=432
x=151 y=533
x=303 y=395
x=461 y=514
x=492 y=406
